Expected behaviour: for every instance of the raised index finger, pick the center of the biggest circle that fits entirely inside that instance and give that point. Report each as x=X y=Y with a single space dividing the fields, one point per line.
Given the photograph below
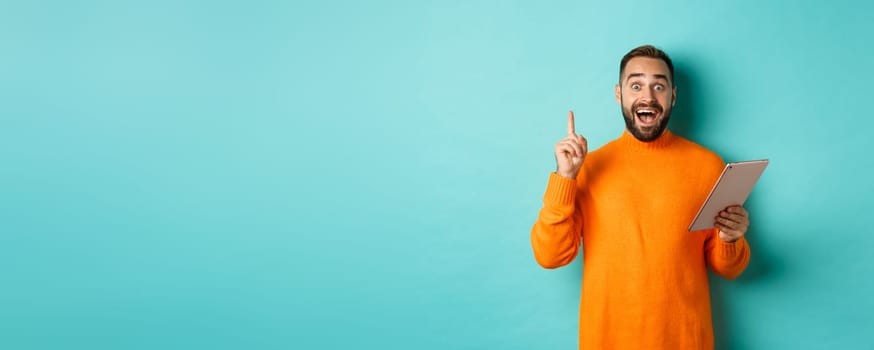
x=570 y=123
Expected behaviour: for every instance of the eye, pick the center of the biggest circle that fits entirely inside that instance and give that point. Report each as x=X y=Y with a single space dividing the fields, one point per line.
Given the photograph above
x=659 y=87
x=635 y=86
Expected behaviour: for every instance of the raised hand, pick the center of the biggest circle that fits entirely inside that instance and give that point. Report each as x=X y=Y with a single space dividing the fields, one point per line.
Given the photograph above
x=570 y=151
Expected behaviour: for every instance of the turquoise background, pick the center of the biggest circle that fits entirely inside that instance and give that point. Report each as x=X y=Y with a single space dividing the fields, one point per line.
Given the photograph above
x=327 y=175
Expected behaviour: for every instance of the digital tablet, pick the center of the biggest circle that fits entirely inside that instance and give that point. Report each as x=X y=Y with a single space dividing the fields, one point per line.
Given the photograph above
x=732 y=188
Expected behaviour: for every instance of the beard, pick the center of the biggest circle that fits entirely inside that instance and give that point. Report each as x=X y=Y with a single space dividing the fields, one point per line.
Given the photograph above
x=646 y=133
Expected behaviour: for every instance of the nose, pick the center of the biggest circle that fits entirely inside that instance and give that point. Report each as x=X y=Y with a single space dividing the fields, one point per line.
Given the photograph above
x=648 y=95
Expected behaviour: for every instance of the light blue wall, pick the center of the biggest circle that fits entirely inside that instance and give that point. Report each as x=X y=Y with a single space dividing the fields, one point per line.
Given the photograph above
x=327 y=175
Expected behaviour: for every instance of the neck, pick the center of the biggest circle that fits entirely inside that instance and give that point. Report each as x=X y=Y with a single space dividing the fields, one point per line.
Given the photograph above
x=664 y=140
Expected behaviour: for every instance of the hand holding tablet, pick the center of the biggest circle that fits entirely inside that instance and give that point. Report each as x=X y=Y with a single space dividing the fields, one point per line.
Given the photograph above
x=731 y=189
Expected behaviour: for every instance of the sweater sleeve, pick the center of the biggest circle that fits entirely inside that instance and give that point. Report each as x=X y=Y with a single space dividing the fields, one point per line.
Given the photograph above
x=556 y=234
x=727 y=259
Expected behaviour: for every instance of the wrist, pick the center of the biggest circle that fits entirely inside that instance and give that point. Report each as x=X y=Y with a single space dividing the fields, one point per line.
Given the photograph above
x=728 y=239
x=566 y=174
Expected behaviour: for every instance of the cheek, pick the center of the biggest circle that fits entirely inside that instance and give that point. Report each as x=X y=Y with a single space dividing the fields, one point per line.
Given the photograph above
x=667 y=100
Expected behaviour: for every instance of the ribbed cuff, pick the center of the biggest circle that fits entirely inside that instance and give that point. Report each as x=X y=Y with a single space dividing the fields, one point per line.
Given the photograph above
x=560 y=190
x=730 y=250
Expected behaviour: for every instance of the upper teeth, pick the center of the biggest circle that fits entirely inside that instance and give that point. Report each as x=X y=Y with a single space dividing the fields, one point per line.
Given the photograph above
x=647 y=111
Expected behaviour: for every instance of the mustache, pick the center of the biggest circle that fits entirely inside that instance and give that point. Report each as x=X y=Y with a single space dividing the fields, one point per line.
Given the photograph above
x=653 y=105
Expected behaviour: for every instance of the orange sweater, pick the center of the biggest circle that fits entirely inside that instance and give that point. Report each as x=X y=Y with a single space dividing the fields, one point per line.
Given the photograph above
x=644 y=275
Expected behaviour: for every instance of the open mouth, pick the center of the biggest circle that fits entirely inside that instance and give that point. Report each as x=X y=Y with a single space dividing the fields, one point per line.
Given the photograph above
x=647 y=116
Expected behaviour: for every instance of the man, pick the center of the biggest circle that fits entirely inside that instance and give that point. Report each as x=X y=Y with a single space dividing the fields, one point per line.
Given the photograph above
x=628 y=205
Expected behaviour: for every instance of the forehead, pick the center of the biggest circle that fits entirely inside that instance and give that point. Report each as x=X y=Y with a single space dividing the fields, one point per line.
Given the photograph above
x=647 y=66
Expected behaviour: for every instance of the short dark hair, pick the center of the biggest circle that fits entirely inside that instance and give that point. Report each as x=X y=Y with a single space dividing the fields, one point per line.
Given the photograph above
x=646 y=51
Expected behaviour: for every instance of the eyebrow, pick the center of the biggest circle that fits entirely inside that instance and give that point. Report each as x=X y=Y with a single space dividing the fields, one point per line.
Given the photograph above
x=640 y=75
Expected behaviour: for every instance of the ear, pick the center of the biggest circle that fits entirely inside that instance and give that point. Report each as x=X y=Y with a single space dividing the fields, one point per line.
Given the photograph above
x=674 y=97
x=618 y=94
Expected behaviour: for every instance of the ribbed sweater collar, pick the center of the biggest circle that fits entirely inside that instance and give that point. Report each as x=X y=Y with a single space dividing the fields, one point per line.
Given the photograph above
x=662 y=142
